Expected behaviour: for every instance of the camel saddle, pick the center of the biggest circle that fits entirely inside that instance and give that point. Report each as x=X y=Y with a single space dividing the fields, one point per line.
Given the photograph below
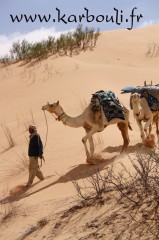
x=150 y=92
x=110 y=104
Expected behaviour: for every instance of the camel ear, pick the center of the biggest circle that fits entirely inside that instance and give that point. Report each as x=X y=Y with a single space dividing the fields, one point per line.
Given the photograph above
x=57 y=103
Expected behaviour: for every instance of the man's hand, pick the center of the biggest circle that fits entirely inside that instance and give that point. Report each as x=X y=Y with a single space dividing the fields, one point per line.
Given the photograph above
x=42 y=157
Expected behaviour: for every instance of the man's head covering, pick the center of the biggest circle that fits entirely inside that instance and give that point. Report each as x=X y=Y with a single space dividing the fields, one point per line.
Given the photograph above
x=32 y=127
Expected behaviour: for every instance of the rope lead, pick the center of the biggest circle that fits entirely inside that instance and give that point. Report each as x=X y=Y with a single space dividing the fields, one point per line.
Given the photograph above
x=47 y=126
x=46 y=129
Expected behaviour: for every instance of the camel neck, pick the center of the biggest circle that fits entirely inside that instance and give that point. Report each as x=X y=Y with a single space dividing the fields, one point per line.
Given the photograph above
x=136 y=108
x=74 y=122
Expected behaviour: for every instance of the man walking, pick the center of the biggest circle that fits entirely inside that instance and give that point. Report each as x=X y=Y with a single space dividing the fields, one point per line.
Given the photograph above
x=35 y=151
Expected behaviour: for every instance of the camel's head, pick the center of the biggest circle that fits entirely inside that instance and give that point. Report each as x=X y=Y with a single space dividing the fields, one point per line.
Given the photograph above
x=135 y=98
x=53 y=108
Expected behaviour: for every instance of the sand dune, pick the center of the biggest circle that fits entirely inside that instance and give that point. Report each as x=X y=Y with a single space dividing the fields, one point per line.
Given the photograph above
x=120 y=58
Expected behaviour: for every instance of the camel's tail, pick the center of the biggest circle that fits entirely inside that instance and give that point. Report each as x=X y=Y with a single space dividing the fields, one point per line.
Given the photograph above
x=129 y=126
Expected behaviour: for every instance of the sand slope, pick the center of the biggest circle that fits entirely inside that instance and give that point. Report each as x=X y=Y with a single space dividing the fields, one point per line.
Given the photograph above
x=120 y=58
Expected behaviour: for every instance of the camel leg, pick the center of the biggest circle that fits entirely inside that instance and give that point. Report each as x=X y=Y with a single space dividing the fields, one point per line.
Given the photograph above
x=155 y=120
x=150 y=129
x=91 y=143
x=148 y=123
x=141 y=130
x=157 y=132
x=88 y=136
x=123 y=127
x=157 y=129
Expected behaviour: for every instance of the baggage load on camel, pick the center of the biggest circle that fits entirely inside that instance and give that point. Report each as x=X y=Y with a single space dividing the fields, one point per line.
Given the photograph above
x=150 y=92
x=110 y=104
x=140 y=89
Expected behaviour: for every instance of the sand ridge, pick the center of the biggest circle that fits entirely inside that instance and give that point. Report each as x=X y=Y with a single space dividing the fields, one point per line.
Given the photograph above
x=121 y=58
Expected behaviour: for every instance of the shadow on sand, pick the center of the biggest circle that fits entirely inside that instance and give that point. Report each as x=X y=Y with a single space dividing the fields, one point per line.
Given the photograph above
x=137 y=148
x=80 y=171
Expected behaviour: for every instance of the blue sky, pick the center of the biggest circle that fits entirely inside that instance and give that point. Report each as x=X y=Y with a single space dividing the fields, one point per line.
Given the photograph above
x=10 y=31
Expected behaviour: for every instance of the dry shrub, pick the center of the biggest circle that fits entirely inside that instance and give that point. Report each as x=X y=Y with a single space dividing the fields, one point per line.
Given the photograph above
x=18 y=168
x=137 y=189
x=27 y=120
x=94 y=186
x=42 y=222
x=31 y=229
x=153 y=50
x=8 y=135
x=27 y=232
x=141 y=190
x=9 y=209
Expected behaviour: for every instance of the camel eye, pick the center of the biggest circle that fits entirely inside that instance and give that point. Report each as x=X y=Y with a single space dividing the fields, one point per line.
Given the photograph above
x=51 y=105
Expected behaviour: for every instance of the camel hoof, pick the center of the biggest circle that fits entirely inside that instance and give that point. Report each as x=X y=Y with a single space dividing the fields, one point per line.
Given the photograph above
x=90 y=160
x=95 y=159
x=122 y=151
x=150 y=141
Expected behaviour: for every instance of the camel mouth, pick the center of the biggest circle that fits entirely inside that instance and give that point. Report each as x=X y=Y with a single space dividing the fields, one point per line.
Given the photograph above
x=43 y=108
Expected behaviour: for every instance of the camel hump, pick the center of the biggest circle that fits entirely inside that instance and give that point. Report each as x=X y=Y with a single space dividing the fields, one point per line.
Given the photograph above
x=110 y=104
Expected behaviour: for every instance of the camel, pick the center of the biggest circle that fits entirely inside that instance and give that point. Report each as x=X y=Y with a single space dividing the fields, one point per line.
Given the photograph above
x=92 y=122
x=142 y=112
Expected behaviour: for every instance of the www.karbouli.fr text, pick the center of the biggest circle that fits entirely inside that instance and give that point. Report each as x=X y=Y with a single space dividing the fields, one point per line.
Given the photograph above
x=117 y=17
